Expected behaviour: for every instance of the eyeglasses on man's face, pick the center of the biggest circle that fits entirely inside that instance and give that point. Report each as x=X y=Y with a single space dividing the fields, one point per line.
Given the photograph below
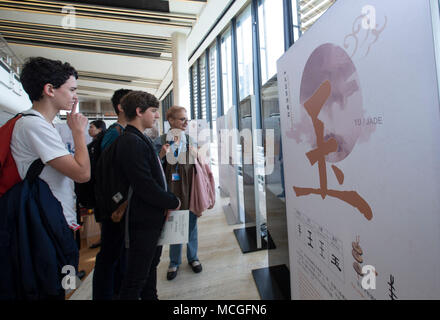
x=182 y=119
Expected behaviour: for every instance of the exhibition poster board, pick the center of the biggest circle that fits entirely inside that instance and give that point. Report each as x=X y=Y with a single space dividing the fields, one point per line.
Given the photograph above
x=235 y=166
x=230 y=165
x=359 y=105
x=223 y=169
x=199 y=131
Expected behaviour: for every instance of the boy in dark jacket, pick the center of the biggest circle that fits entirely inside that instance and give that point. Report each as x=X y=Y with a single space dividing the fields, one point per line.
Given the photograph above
x=139 y=164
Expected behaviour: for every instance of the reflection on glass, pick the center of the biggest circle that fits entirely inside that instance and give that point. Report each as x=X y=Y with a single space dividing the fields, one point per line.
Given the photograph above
x=244 y=52
x=245 y=128
x=202 y=68
x=213 y=89
x=308 y=12
x=275 y=193
x=295 y=20
x=195 y=91
x=213 y=80
x=226 y=55
x=270 y=19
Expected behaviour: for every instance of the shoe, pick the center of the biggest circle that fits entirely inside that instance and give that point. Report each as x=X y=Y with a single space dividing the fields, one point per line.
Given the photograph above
x=196 y=266
x=81 y=274
x=95 y=245
x=172 y=273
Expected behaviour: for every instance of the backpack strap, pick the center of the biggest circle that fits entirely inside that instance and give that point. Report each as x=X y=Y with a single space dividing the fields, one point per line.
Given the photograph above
x=127 y=236
x=34 y=170
x=26 y=114
x=118 y=128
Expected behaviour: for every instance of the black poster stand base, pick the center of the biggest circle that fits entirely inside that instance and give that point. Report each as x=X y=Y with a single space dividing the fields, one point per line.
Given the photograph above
x=247 y=239
x=273 y=283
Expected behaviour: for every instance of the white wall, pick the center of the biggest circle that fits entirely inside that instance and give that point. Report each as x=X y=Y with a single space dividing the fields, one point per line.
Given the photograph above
x=13 y=99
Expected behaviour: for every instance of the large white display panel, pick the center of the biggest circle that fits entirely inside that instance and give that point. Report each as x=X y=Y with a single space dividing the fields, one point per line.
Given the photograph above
x=360 y=121
x=223 y=169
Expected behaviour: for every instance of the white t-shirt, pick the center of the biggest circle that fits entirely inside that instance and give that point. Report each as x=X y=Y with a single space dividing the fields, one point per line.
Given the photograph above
x=33 y=138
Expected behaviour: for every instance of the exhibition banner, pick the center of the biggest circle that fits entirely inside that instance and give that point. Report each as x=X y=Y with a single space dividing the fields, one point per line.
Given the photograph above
x=360 y=122
x=223 y=169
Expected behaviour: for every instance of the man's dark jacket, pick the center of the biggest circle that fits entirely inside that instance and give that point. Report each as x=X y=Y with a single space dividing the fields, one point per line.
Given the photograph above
x=137 y=160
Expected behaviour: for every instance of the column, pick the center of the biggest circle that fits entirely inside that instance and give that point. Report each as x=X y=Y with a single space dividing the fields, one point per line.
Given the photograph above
x=180 y=71
x=98 y=106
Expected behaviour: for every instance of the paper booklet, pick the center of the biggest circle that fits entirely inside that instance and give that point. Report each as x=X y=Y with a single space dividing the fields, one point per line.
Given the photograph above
x=175 y=230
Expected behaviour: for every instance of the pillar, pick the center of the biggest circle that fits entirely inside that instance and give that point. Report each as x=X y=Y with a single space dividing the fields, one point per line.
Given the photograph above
x=98 y=109
x=180 y=71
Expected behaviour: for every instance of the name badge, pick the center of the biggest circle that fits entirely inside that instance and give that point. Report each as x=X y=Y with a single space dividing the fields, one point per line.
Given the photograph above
x=175 y=177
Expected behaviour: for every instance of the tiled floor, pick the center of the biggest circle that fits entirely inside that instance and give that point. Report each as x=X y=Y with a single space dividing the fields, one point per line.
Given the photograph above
x=227 y=272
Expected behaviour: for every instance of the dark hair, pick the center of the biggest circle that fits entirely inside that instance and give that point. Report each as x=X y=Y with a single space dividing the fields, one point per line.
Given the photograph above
x=99 y=124
x=138 y=99
x=117 y=96
x=39 y=71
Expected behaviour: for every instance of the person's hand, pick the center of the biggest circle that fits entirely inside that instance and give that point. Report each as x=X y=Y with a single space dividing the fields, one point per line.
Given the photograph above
x=178 y=207
x=167 y=212
x=165 y=149
x=77 y=122
x=119 y=212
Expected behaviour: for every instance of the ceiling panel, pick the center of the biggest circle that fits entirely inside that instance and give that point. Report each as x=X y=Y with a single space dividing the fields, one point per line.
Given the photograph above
x=113 y=44
x=101 y=12
x=154 y=5
x=85 y=39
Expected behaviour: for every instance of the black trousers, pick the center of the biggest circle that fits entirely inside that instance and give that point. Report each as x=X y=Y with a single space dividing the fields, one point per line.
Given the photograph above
x=143 y=257
x=109 y=265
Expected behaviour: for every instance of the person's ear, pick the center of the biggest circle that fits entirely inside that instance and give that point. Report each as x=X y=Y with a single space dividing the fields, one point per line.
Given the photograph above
x=48 y=90
x=120 y=108
x=139 y=112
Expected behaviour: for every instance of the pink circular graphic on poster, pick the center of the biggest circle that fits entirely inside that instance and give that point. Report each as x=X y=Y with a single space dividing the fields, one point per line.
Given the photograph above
x=331 y=63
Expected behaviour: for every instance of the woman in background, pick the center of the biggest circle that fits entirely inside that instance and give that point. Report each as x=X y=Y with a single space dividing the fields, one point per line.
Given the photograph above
x=96 y=127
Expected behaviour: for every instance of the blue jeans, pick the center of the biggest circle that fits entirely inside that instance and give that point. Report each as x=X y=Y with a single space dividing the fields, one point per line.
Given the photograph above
x=191 y=247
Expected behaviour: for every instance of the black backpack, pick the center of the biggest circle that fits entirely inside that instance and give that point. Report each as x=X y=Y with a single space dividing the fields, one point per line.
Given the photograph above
x=111 y=189
x=85 y=192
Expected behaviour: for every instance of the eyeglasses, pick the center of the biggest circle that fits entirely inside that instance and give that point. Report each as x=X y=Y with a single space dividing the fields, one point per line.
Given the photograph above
x=183 y=119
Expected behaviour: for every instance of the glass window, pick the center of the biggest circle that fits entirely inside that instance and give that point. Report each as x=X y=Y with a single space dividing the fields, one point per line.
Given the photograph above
x=309 y=11
x=167 y=102
x=213 y=80
x=226 y=54
x=271 y=25
x=295 y=20
x=195 y=89
x=274 y=179
x=244 y=52
x=191 y=93
x=202 y=67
